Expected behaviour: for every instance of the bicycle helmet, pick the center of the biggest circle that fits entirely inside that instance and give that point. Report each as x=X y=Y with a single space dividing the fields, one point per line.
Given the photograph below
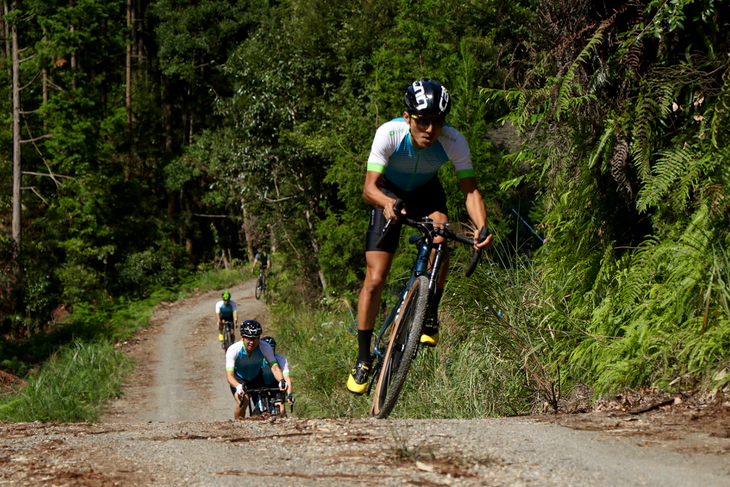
x=251 y=329
x=226 y=296
x=270 y=341
x=427 y=97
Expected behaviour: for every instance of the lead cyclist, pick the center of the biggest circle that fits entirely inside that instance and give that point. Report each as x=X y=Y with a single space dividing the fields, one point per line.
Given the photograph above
x=404 y=160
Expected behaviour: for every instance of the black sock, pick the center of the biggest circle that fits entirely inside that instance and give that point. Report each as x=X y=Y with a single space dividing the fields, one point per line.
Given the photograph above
x=364 y=337
x=433 y=312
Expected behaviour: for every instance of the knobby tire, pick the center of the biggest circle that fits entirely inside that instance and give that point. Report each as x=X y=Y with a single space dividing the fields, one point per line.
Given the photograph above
x=227 y=337
x=404 y=339
x=259 y=287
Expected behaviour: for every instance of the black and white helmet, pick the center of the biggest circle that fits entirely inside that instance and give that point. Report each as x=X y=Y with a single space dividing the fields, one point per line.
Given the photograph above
x=251 y=329
x=270 y=341
x=427 y=97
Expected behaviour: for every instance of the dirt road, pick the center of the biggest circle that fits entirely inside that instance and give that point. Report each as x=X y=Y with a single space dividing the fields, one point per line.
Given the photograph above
x=173 y=427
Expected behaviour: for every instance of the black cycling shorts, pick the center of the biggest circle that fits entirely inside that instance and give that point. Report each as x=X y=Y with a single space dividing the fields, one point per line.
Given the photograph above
x=254 y=383
x=420 y=202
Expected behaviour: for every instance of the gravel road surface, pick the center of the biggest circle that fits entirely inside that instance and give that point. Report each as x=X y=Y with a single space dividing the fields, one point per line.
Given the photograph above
x=173 y=427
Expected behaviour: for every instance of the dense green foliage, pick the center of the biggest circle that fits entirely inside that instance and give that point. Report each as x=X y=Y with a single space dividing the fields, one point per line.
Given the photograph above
x=634 y=110
x=241 y=124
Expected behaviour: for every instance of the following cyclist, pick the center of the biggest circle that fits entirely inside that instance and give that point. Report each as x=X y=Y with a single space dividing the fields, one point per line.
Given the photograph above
x=225 y=311
x=244 y=365
x=270 y=380
x=404 y=160
x=263 y=259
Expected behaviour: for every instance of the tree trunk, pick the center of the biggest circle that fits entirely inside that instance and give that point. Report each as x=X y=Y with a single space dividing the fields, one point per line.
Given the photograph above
x=17 y=169
x=6 y=36
x=315 y=248
x=246 y=234
x=128 y=77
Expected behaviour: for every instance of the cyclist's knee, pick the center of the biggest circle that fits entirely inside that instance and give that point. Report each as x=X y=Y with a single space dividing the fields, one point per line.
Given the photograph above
x=374 y=283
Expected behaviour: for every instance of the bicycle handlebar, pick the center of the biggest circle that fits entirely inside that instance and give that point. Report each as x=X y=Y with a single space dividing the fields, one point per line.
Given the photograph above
x=441 y=231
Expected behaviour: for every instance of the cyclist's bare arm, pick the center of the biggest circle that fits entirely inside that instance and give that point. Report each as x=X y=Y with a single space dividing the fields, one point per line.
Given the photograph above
x=288 y=384
x=375 y=197
x=476 y=209
x=276 y=370
x=231 y=377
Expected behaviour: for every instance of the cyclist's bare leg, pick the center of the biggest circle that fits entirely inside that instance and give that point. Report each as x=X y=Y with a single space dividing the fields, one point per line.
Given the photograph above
x=378 y=266
x=241 y=406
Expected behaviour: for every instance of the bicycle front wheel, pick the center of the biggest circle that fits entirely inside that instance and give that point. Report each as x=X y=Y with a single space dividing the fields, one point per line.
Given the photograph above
x=228 y=337
x=402 y=348
x=259 y=287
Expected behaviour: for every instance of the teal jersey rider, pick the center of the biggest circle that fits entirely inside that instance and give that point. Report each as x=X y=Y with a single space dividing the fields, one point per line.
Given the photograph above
x=409 y=168
x=247 y=366
x=226 y=310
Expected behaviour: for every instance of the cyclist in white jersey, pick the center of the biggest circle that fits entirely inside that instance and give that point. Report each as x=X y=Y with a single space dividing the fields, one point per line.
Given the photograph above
x=404 y=161
x=244 y=365
x=270 y=380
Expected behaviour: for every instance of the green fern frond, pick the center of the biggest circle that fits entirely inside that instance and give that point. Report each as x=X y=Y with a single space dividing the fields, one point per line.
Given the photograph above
x=645 y=112
x=600 y=149
x=566 y=86
x=677 y=167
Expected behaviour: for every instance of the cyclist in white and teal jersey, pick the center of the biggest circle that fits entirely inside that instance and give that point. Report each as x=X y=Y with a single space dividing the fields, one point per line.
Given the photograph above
x=404 y=161
x=270 y=380
x=244 y=365
x=225 y=310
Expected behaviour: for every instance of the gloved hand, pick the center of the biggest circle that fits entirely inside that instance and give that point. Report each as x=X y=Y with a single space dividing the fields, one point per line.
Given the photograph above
x=282 y=384
x=239 y=389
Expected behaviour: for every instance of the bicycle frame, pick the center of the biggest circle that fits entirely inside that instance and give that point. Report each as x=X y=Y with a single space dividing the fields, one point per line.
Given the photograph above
x=420 y=267
x=263 y=397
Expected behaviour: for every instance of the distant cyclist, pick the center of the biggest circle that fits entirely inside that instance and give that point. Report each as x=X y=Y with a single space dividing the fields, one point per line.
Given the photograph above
x=404 y=160
x=270 y=380
x=244 y=365
x=225 y=311
x=264 y=260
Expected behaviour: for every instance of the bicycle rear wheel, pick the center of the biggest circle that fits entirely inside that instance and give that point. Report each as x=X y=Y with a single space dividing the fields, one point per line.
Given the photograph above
x=259 y=287
x=402 y=347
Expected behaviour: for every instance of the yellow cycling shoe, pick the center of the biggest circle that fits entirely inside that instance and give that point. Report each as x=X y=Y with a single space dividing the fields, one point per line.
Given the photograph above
x=430 y=335
x=357 y=383
x=220 y=337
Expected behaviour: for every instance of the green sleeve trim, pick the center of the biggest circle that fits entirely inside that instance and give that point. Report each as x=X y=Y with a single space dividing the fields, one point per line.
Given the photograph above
x=465 y=173
x=286 y=374
x=229 y=368
x=271 y=364
x=374 y=166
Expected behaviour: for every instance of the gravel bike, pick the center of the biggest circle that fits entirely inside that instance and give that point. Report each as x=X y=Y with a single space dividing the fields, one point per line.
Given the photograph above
x=393 y=358
x=228 y=334
x=264 y=400
x=260 y=284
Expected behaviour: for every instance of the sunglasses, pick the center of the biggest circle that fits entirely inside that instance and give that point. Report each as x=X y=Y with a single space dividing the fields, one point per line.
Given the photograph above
x=423 y=122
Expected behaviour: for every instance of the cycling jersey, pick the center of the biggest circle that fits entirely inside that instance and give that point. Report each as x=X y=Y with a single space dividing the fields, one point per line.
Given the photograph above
x=262 y=260
x=246 y=366
x=226 y=311
x=394 y=155
x=269 y=375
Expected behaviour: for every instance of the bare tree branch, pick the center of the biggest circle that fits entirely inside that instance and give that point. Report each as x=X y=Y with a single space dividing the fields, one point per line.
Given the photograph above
x=32 y=188
x=30 y=82
x=47 y=136
x=52 y=176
